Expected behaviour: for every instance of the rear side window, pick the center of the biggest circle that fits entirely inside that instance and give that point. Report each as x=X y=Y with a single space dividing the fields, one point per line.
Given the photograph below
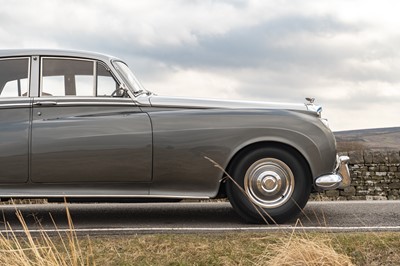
x=14 y=73
x=75 y=77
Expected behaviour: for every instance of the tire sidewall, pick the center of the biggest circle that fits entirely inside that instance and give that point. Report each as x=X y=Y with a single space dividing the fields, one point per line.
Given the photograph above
x=282 y=213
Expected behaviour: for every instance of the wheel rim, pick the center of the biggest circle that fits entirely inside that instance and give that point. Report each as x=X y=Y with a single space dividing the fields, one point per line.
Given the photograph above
x=269 y=183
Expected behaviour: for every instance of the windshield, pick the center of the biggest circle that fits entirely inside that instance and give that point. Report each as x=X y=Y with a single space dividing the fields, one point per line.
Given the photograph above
x=128 y=77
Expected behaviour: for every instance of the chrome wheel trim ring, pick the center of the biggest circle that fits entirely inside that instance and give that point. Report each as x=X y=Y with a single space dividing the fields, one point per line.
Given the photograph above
x=269 y=183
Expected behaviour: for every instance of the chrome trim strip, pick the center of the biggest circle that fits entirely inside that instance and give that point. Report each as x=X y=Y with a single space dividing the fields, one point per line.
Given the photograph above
x=34 y=83
x=29 y=77
x=57 y=53
x=85 y=98
x=45 y=103
x=203 y=103
x=79 y=100
x=95 y=78
x=101 y=196
x=13 y=105
x=95 y=103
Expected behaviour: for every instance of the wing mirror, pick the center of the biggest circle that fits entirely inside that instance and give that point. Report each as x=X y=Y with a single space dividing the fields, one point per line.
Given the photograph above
x=121 y=91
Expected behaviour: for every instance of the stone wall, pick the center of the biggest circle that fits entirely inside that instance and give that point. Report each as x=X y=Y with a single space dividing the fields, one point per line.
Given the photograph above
x=375 y=176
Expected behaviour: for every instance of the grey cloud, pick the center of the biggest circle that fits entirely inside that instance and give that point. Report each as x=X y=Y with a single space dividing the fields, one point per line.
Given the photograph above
x=275 y=46
x=270 y=44
x=263 y=44
x=235 y=3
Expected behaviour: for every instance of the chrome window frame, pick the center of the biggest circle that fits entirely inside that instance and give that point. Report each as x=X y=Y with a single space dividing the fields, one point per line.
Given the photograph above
x=28 y=77
x=94 y=88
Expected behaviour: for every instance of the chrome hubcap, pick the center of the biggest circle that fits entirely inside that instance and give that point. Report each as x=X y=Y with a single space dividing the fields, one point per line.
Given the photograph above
x=269 y=183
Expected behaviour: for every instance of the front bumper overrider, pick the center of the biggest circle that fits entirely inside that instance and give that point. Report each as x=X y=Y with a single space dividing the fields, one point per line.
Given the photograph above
x=340 y=178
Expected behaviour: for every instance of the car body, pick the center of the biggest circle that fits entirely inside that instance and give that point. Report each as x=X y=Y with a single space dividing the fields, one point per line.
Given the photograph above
x=79 y=125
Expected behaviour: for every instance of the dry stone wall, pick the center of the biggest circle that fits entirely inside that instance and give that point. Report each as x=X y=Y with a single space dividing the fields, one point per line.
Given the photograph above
x=375 y=176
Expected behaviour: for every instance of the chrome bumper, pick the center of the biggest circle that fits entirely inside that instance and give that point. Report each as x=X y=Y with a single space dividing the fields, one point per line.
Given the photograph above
x=339 y=179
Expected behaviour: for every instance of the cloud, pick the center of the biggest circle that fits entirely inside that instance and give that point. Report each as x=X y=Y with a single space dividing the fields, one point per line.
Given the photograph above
x=278 y=44
x=345 y=53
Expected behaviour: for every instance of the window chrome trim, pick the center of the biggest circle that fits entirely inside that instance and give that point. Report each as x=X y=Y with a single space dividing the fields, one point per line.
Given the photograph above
x=64 y=58
x=97 y=103
x=34 y=83
x=95 y=82
x=86 y=101
x=15 y=102
x=95 y=79
x=14 y=105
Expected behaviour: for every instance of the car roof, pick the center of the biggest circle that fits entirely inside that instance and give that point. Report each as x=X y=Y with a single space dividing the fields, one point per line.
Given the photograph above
x=56 y=52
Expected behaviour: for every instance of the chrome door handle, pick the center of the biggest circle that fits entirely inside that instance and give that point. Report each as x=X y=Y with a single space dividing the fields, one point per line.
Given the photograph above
x=45 y=103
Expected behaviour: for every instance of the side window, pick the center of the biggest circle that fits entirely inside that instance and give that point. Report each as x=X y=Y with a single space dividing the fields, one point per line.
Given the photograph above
x=106 y=84
x=14 y=74
x=67 y=77
x=75 y=77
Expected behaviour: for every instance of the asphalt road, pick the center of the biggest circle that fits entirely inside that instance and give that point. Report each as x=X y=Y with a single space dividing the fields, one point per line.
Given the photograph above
x=137 y=218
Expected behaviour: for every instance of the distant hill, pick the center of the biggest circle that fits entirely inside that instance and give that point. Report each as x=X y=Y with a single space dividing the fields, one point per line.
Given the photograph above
x=375 y=138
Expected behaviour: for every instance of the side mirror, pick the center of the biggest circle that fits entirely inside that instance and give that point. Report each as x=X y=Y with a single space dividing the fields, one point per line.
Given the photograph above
x=122 y=91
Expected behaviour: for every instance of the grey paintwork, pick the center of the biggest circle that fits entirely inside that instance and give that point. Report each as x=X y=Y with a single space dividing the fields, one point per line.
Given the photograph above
x=91 y=140
x=14 y=135
x=182 y=138
x=143 y=145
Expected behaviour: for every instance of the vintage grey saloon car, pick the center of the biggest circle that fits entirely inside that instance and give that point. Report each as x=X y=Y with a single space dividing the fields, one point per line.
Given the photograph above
x=79 y=125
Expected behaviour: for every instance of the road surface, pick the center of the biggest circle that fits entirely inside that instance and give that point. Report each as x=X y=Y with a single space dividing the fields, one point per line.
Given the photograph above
x=137 y=218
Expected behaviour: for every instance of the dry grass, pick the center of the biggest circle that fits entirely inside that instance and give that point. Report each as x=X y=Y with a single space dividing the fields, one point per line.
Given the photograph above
x=43 y=250
x=346 y=146
x=305 y=251
x=248 y=249
x=282 y=248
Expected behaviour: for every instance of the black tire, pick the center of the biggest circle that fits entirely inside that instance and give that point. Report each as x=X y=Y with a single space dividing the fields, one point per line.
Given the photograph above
x=277 y=184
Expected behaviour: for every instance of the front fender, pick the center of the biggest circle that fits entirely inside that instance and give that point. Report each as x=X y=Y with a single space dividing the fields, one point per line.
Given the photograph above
x=183 y=137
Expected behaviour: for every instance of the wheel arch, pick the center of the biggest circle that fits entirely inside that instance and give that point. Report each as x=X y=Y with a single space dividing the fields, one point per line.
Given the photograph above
x=258 y=145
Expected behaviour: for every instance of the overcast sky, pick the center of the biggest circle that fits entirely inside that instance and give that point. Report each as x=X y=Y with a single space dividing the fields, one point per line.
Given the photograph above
x=346 y=54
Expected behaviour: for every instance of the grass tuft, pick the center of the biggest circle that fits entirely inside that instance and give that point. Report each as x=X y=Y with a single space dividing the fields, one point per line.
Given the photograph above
x=301 y=250
x=42 y=249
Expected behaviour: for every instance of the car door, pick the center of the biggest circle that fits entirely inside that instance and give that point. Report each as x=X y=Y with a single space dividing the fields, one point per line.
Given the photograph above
x=80 y=133
x=15 y=108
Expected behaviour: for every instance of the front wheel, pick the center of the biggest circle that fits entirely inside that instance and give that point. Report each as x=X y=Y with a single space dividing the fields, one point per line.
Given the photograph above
x=274 y=185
